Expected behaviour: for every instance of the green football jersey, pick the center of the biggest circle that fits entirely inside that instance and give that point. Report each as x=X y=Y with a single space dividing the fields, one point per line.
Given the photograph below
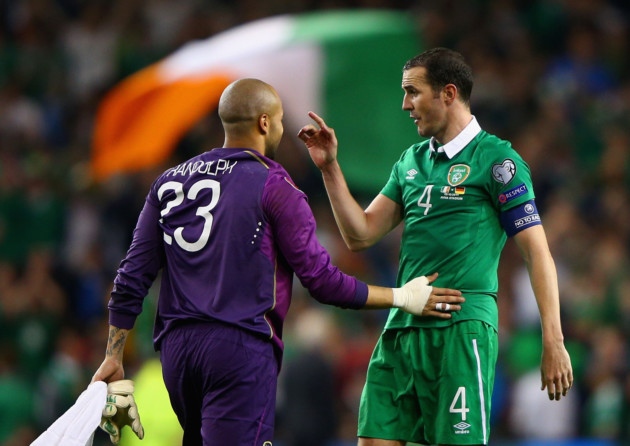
x=451 y=218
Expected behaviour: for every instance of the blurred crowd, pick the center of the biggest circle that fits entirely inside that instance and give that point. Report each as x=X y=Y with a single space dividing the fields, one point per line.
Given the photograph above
x=552 y=76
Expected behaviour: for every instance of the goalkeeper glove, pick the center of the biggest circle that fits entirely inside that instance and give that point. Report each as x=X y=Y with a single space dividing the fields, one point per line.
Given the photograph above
x=413 y=296
x=121 y=410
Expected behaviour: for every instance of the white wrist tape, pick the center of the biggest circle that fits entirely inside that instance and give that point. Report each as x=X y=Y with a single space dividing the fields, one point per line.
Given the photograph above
x=413 y=296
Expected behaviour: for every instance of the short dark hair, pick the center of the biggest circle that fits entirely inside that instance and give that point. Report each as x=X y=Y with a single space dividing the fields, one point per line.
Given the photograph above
x=445 y=66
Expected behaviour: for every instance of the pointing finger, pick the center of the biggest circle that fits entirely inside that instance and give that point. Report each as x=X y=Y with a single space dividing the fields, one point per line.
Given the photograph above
x=320 y=122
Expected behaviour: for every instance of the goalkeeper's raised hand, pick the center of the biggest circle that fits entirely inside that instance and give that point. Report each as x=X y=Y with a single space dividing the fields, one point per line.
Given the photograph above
x=121 y=410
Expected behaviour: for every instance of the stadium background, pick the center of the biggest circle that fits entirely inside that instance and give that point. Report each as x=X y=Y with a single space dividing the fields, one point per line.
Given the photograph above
x=552 y=76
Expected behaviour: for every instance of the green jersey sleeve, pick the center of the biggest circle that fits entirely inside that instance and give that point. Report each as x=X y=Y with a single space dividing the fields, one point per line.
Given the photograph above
x=509 y=177
x=392 y=188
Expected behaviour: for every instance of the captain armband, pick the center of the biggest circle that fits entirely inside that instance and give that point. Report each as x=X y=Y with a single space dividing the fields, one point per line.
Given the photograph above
x=520 y=217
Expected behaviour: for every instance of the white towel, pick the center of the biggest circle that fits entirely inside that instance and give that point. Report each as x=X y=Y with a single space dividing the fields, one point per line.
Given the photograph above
x=77 y=425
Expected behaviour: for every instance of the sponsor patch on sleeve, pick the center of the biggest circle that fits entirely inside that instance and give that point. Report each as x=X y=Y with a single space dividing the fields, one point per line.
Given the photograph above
x=513 y=193
x=520 y=217
x=504 y=172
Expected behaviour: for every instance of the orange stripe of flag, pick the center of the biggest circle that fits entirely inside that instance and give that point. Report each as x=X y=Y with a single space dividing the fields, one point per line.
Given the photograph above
x=140 y=121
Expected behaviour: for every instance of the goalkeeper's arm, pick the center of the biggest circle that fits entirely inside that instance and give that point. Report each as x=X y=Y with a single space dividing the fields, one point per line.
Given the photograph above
x=120 y=408
x=111 y=368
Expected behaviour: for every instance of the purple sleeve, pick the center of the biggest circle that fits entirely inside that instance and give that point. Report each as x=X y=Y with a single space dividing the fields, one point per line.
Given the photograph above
x=138 y=270
x=294 y=229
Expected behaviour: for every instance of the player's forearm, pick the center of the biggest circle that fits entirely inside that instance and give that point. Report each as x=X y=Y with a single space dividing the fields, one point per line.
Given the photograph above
x=379 y=297
x=544 y=279
x=545 y=287
x=350 y=217
x=111 y=369
x=116 y=343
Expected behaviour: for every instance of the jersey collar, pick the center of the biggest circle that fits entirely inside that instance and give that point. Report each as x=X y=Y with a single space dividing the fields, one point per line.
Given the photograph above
x=458 y=143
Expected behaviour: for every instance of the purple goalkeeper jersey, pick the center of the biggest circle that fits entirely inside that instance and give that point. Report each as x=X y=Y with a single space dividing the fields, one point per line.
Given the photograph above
x=228 y=229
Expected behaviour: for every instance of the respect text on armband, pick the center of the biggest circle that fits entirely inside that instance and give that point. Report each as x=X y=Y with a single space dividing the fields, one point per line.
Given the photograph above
x=213 y=168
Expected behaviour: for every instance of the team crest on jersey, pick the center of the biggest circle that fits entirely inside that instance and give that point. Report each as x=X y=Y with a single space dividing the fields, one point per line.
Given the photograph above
x=457 y=174
x=504 y=172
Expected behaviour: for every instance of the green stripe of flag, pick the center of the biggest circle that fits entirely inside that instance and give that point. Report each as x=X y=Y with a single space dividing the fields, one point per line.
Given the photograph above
x=364 y=51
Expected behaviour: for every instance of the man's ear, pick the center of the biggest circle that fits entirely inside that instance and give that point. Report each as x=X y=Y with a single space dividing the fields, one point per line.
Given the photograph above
x=449 y=93
x=263 y=123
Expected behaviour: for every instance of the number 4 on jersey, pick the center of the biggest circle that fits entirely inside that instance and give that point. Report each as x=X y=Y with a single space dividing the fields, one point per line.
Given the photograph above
x=458 y=405
x=425 y=199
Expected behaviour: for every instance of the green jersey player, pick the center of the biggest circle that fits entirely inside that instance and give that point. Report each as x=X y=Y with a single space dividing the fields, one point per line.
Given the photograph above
x=460 y=194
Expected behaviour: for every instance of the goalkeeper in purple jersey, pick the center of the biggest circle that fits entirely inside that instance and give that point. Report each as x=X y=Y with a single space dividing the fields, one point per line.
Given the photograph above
x=228 y=229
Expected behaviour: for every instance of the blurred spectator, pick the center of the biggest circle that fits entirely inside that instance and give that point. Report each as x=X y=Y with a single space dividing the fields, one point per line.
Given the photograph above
x=605 y=385
x=533 y=418
x=89 y=45
x=165 y=21
x=62 y=380
x=309 y=412
x=16 y=399
x=21 y=117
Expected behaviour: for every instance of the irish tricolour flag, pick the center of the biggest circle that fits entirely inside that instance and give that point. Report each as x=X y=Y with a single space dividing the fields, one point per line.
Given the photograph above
x=344 y=65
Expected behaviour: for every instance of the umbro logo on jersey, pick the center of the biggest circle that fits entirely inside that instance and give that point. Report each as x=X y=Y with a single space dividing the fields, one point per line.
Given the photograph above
x=462 y=428
x=411 y=173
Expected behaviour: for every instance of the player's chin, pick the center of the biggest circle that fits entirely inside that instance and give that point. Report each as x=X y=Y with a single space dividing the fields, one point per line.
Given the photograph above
x=423 y=131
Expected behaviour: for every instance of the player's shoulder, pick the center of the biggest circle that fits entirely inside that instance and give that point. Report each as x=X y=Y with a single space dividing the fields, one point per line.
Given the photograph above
x=497 y=157
x=420 y=146
x=275 y=173
x=413 y=151
x=491 y=141
x=491 y=147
